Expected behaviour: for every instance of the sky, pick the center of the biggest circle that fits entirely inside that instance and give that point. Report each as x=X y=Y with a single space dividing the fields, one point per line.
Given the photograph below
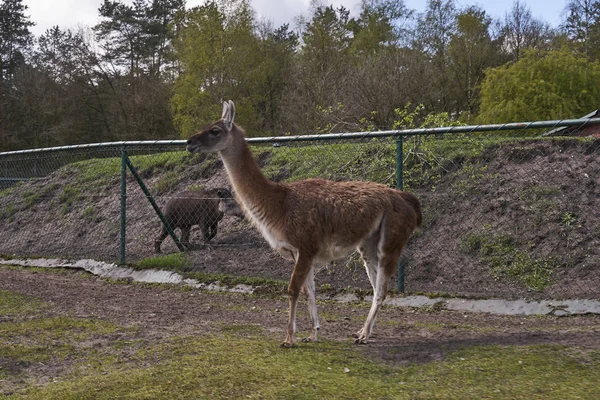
x=74 y=13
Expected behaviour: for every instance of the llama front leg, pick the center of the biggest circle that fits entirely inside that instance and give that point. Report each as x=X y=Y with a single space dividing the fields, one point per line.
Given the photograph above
x=309 y=288
x=302 y=270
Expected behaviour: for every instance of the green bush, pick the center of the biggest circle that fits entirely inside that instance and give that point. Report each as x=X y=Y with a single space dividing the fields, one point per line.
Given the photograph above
x=540 y=86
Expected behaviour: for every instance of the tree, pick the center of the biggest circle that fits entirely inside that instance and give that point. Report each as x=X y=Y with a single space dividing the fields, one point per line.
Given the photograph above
x=582 y=25
x=326 y=40
x=137 y=36
x=137 y=49
x=15 y=38
x=435 y=30
x=55 y=53
x=201 y=49
x=161 y=14
x=377 y=25
x=520 y=31
x=382 y=74
x=540 y=86
x=122 y=32
x=320 y=69
x=221 y=57
x=269 y=81
x=383 y=84
x=471 y=50
x=15 y=43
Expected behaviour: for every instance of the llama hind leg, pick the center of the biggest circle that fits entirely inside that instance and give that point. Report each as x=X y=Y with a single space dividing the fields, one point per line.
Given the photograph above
x=391 y=241
x=384 y=271
x=368 y=253
x=309 y=288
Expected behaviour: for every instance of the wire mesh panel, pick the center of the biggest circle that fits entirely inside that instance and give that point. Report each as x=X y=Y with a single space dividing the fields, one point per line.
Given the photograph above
x=506 y=216
x=512 y=214
x=54 y=205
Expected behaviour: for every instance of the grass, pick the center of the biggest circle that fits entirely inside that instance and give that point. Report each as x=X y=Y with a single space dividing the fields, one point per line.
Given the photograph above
x=504 y=259
x=102 y=171
x=371 y=160
x=91 y=214
x=242 y=363
x=172 y=262
x=65 y=357
x=426 y=159
x=34 y=194
x=71 y=193
x=32 y=337
x=167 y=182
x=14 y=304
x=8 y=212
x=48 y=338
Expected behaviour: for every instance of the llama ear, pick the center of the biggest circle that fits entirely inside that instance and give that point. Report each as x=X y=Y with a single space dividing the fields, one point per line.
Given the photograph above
x=228 y=114
x=225 y=109
x=231 y=110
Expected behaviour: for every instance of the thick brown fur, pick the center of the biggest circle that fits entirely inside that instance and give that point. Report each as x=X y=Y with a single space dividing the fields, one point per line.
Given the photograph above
x=316 y=220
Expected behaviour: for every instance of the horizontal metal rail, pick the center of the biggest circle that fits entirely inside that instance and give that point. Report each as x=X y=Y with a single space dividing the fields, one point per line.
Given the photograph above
x=582 y=122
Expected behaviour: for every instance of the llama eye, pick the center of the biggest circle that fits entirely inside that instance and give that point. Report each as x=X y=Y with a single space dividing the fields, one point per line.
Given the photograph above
x=214 y=132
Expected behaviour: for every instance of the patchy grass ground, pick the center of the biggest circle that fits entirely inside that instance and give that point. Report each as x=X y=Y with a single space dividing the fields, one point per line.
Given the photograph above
x=66 y=334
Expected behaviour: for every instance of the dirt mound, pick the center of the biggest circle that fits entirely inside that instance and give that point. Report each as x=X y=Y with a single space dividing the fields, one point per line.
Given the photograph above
x=518 y=219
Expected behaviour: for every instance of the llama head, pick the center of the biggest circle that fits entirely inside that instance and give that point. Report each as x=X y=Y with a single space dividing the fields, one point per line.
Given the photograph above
x=216 y=136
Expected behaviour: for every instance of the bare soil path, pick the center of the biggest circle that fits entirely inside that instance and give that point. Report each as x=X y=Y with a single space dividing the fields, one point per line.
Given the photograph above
x=401 y=334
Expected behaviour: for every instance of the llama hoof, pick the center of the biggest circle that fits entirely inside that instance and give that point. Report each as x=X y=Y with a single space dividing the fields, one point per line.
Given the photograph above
x=308 y=340
x=286 y=345
x=358 y=334
x=361 y=341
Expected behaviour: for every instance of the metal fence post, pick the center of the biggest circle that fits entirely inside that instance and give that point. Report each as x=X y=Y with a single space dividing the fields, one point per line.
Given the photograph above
x=140 y=182
x=123 y=201
x=400 y=186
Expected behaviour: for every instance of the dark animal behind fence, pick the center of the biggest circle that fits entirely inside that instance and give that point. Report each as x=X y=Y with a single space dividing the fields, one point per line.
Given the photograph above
x=196 y=207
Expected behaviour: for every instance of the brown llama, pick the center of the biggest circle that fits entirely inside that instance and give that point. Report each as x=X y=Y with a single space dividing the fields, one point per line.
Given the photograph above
x=315 y=220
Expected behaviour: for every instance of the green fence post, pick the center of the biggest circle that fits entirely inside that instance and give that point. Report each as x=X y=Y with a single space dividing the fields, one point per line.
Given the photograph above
x=400 y=186
x=123 y=201
x=139 y=180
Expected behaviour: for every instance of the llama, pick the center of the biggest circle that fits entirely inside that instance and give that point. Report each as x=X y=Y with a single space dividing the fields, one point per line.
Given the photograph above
x=192 y=207
x=315 y=220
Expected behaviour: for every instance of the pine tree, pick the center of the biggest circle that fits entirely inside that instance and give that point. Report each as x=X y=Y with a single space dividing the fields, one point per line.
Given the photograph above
x=582 y=25
x=15 y=37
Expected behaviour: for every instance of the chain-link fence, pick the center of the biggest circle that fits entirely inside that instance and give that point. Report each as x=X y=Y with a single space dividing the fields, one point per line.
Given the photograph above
x=508 y=210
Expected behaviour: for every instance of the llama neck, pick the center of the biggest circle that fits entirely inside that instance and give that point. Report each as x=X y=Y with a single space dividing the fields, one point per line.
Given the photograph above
x=253 y=188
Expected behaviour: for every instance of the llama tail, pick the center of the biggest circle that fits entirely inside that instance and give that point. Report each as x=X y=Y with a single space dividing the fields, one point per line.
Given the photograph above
x=415 y=204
